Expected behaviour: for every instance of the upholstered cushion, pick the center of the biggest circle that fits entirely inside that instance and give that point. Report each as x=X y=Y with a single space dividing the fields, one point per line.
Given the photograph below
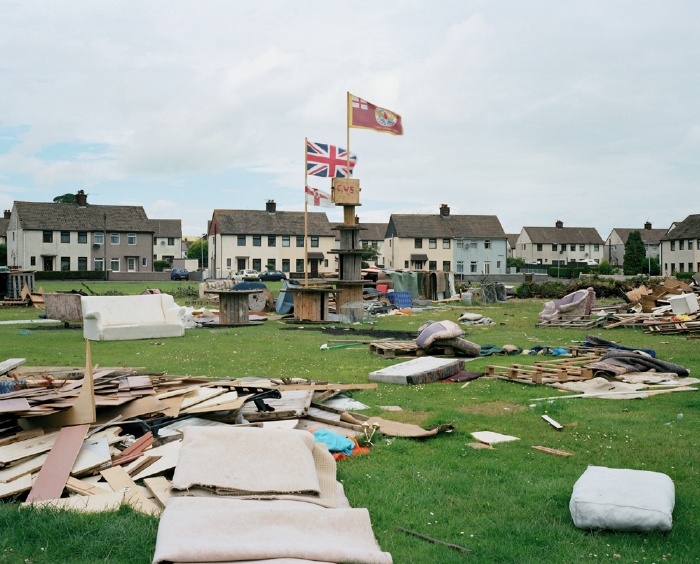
x=439 y=330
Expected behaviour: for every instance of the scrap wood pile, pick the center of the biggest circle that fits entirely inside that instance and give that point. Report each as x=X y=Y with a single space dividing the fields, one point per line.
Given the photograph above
x=83 y=438
x=619 y=372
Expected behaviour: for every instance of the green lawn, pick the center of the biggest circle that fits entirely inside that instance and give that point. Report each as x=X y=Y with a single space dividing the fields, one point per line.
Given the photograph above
x=507 y=505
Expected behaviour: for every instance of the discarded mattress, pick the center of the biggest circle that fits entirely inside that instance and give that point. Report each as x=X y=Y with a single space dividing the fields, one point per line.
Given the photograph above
x=436 y=331
x=622 y=500
x=420 y=370
x=577 y=303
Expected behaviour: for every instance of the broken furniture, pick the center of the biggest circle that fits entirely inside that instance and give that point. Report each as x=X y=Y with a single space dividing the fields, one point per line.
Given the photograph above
x=622 y=500
x=234 y=306
x=120 y=318
x=65 y=307
x=575 y=304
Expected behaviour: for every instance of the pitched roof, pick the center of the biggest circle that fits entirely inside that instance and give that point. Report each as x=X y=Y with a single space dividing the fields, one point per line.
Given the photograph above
x=566 y=235
x=166 y=227
x=261 y=222
x=69 y=217
x=689 y=228
x=373 y=231
x=3 y=226
x=650 y=236
x=512 y=239
x=446 y=227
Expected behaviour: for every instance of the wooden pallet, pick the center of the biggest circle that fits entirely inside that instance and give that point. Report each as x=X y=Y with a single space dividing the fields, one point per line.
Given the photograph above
x=574 y=322
x=579 y=351
x=407 y=348
x=546 y=372
x=674 y=328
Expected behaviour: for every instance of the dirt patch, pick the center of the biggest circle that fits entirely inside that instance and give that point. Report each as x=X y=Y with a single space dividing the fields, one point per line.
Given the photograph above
x=492 y=408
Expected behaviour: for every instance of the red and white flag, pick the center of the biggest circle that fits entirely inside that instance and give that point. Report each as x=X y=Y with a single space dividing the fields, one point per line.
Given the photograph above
x=366 y=115
x=317 y=197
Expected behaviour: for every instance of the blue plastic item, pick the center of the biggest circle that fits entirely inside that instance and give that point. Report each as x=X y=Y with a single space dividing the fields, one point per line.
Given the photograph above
x=400 y=299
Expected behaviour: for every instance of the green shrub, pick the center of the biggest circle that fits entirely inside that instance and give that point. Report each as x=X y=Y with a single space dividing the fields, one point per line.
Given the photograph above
x=684 y=276
x=159 y=265
x=605 y=267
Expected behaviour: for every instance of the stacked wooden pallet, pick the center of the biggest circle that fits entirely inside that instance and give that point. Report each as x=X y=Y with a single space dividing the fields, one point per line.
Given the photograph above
x=574 y=321
x=674 y=328
x=408 y=348
x=546 y=372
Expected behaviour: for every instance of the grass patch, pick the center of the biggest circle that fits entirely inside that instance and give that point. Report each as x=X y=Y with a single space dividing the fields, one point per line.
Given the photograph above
x=509 y=504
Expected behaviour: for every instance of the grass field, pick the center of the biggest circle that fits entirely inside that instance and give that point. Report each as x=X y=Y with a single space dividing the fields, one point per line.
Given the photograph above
x=509 y=504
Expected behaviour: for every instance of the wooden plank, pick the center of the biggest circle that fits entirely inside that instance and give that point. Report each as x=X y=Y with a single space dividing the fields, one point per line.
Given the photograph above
x=86 y=503
x=29 y=447
x=15 y=487
x=11 y=364
x=552 y=422
x=168 y=453
x=159 y=486
x=552 y=451
x=322 y=387
x=119 y=480
x=22 y=436
x=21 y=468
x=82 y=487
x=14 y=405
x=54 y=473
x=139 y=445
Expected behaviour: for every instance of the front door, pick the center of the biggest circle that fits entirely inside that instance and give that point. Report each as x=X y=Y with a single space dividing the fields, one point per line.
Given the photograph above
x=241 y=264
x=313 y=268
x=48 y=263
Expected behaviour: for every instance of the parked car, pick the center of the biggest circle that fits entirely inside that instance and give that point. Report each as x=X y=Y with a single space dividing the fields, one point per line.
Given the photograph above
x=179 y=274
x=247 y=275
x=273 y=275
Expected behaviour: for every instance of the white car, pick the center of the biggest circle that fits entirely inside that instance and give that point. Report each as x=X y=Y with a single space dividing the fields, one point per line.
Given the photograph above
x=247 y=275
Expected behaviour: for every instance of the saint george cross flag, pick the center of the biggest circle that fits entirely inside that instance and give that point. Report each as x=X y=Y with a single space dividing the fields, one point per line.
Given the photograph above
x=328 y=160
x=365 y=115
x=317 y=197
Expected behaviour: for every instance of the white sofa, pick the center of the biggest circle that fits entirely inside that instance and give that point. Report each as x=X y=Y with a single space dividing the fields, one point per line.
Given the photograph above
x=123 y=318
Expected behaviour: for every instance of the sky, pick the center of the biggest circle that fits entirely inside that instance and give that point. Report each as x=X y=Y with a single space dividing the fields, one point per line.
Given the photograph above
x=537 y=111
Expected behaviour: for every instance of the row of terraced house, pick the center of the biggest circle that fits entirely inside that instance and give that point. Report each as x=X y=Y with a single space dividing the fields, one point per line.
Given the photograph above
x=82 y=236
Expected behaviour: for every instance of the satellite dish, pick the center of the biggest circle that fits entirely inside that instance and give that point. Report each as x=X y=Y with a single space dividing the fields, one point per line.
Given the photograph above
x=96 y=246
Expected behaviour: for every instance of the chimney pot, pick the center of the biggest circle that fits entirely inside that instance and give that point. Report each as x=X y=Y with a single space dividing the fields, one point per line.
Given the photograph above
x=444 y=210
x=559 y=224
x=647 y=226
x=7 y=214
x=271 y=206
x=81 y=199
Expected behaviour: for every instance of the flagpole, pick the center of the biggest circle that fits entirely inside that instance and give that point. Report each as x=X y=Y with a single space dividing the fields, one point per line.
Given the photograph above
x=306 y=213
x=347 y=129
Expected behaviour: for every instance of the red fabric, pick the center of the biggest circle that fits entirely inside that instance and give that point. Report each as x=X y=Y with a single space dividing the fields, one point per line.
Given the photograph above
x=357 y=449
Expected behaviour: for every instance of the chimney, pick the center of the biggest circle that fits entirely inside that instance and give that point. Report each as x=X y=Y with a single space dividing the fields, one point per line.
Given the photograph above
x=8 y=213
x=81 y=199
x=647 y=226
x=357 y=220
x=559 y=224
x=271 y=206
x=444 y=210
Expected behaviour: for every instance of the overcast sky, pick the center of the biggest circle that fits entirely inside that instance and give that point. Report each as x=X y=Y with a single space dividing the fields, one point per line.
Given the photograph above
x=534 y=111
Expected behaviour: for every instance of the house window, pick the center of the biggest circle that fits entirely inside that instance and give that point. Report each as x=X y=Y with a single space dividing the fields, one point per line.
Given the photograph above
x=82 y=264
x=171 y=241
x=82 y=237
x=272 y=264
x=673 y=267
x=314 y=241
x=681 y=267
x=131 y=238
x=285 y=242
x=554 y=247
x=144 y=262
x=131 y=264
x=240 y=241
x=446 y=265
x=405 y=264
x=460 y=266
x=98 y=238
x=300 y=265
x=673 y=248
x=459 y=243
x=487 y=244
x=300 y=242
x=472 y=267
x=271 y=241
x=65 y=263
x=114 y=238
x=572 y=247
x=432 y=243
x=539 y=247
x=596 y=248
x=257 y=264
x=582 y=247
x=114 y=265
x=32 y=261
x=498 y=264
x=285 y=265
x=325 y=263
x=257 y=241
x=48 y=236
x=690 y=246
x=432 y=265
x=690 y=267
x=65 y=236
x=681 y=246
x=654 y=248
x=99 y=264
x=228 y=263
x=418 y=243
x=445 y=243
x=487 y=267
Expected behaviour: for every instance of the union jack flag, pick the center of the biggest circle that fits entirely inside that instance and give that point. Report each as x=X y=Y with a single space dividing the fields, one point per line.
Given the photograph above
x=328 y=160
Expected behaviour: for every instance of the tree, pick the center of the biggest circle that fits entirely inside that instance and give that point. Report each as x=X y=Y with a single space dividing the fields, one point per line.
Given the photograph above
x=515 y=262
x=605 y=267
x=199 y=250
x=65 y=199
x=3 y=255
x=635 y=254
x=370 y=253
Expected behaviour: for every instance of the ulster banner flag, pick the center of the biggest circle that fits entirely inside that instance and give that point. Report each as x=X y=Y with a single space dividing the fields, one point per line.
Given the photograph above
x=317 y=197
x=365 y=115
